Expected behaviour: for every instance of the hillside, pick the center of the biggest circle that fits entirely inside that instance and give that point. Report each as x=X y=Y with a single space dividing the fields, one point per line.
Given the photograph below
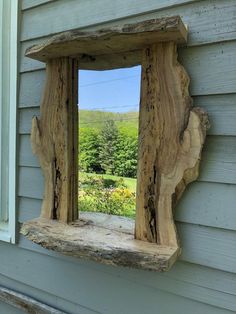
x=95 y=119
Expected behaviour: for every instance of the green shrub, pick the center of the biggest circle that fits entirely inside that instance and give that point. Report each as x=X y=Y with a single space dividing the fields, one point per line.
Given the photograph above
x=96 y=196
x=89 y=150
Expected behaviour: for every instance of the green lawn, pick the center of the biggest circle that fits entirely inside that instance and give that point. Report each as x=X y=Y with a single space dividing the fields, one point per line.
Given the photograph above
x=129 y=182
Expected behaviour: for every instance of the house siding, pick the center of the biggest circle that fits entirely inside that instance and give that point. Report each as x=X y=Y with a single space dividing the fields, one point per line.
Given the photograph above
x=204 y=278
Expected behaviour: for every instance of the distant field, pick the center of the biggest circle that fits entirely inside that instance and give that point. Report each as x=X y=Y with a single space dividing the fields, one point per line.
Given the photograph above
x=129 y=182
x=127 y=121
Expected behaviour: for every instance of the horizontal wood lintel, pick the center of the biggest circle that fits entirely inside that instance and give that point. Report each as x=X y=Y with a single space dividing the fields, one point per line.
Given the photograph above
x=103 y=238
x=112 y=47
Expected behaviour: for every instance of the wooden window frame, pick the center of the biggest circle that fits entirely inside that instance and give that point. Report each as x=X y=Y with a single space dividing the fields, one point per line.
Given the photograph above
x=171 y=136
x=8 y=104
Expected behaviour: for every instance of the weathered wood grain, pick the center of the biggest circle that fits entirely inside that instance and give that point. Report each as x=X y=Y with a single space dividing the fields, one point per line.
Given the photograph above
x=171 y=136
x=110 y=41
x=54 y=140
x=109 y=243
x=29 y=305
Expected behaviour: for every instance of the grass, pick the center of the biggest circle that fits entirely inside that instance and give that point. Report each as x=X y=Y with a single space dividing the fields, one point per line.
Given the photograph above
x=129 y=182
x=94 y=119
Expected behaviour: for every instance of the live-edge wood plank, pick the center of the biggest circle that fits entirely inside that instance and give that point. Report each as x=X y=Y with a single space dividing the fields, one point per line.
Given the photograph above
x=121 y=40
x=108 y=240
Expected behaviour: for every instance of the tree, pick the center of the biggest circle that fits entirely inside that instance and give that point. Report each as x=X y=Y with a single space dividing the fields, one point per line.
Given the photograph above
x=89 y=150
x=109 y=149
x=108 y=146
x=126 y=155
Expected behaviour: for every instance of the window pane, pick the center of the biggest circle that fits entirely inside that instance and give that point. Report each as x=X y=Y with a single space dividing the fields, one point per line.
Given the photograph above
x=108 y=140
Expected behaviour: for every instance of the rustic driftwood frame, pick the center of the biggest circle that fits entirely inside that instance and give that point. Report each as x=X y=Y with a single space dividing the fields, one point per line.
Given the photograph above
x=171 y=136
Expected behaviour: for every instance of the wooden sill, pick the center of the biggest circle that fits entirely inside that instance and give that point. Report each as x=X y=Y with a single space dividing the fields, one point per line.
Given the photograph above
x=103 y=238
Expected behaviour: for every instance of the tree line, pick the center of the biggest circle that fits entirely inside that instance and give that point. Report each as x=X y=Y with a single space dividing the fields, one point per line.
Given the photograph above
x=109 y=150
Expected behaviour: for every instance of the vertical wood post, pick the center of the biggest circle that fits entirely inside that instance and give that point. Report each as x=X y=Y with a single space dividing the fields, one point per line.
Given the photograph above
x=171 y=135
x=54 y=140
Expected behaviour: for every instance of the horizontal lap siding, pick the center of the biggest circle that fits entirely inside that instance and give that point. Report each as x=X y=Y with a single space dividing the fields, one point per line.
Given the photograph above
x=29 y=4
x=218 y=159
x=206 y=216
x=212 y=69
x=195 y=206
x=205 y=21
x=204 y=18
x=207 y=246
x=193 y=275
x=101 y=288
x=221 y=110
x=23 y=286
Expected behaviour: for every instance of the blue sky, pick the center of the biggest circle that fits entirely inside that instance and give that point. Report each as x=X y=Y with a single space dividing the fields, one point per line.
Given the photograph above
x=114 y=90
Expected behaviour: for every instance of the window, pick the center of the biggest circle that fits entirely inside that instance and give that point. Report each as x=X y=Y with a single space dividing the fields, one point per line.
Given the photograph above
x=171 y=136
x=108 y=140
x=8 y=76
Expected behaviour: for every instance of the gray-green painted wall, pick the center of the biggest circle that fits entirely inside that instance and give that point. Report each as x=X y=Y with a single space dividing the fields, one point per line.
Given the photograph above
x=204 y=279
